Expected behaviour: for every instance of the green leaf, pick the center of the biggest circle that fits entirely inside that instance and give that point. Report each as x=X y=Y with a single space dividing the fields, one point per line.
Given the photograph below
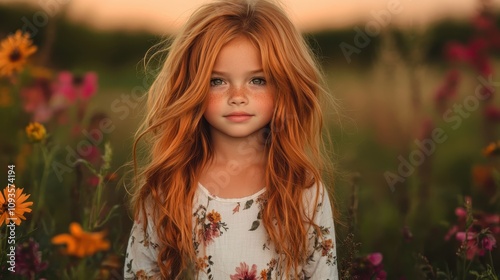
x=248 y=204
x=255 y=225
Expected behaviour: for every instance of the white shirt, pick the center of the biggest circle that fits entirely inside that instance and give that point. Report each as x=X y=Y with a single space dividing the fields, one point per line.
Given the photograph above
x=231 y=242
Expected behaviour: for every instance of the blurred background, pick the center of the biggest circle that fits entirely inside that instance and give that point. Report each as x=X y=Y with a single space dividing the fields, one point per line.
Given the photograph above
x=415 y=138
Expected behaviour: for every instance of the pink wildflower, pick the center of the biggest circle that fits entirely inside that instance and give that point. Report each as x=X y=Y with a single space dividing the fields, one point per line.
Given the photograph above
x=477 y=243
x=488 y=242
x=369 y=267
x=460 y=212
x=375 y=258
x=74 y=87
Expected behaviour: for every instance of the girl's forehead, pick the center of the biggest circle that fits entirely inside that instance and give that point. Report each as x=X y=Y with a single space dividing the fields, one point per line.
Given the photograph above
x=237 y=54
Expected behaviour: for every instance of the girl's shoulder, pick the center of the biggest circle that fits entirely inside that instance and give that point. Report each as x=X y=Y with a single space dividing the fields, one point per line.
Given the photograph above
x=316 y=198
x=316 y=192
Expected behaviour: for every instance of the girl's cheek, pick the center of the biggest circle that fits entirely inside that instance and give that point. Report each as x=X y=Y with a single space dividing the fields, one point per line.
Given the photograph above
x=213 y=104
x=214 y=100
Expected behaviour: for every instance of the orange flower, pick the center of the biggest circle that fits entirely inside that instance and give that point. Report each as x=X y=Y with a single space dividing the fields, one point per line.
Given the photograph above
x=13 y=205
x=36 y=131
x=492 y=149
x=80 y=243
x=263 y=274
x=14 y=52
x=214 y=217
x=327 y=246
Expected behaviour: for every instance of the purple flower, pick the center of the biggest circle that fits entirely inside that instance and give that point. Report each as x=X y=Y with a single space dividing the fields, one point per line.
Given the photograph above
x=29 y=259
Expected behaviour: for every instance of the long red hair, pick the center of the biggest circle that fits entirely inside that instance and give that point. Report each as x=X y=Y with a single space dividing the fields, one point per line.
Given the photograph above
x=178 y=140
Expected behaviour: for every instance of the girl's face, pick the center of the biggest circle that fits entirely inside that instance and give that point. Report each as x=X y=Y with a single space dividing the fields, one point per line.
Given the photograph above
x=240 y=99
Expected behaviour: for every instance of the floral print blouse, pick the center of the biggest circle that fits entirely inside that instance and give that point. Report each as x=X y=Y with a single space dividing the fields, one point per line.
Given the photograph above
x=231 y=242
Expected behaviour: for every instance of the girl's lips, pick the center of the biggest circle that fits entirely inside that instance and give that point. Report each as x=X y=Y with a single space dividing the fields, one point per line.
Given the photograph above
x=237 y=117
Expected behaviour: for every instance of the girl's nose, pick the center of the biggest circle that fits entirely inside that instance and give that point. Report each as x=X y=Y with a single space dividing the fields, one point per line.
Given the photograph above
x=237 y=96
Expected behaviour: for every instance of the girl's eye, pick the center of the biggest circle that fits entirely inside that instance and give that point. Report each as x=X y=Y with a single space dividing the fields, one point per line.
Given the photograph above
x=258 y=81
x=216 y=82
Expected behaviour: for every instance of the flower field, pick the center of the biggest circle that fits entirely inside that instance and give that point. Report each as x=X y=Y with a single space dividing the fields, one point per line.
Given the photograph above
x=416 y=145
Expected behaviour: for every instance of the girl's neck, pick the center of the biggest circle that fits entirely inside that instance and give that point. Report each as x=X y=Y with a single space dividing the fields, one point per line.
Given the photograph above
x=238 y=167
x=243 y=150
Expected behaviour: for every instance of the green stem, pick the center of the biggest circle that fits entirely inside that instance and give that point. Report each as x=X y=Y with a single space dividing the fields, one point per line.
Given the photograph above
x=467 y=269
x=96 y=204
x=464 y=255
x=492 y=265
x=40 y=203
x=43 y=185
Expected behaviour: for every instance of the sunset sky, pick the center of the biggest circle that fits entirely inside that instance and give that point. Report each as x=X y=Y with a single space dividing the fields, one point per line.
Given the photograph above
x=162 y=16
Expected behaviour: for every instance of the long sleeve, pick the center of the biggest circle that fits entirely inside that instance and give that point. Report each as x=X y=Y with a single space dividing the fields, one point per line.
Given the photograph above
x=322 y=261
x=142 y=252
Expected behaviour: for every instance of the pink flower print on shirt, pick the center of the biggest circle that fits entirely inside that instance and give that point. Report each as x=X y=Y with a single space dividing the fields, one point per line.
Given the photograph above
x=243 y=272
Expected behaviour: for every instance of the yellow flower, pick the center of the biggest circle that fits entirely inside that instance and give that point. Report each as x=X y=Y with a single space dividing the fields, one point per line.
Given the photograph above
x=14 y=50
x=214 y=217
x=36 y=131
x=80 y=243
x=13 y=205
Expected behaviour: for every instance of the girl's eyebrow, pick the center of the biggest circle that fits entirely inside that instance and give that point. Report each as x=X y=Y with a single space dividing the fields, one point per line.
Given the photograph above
x=215 y=72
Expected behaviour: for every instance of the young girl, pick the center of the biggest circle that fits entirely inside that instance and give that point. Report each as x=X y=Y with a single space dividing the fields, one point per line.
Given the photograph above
x=232 y=188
